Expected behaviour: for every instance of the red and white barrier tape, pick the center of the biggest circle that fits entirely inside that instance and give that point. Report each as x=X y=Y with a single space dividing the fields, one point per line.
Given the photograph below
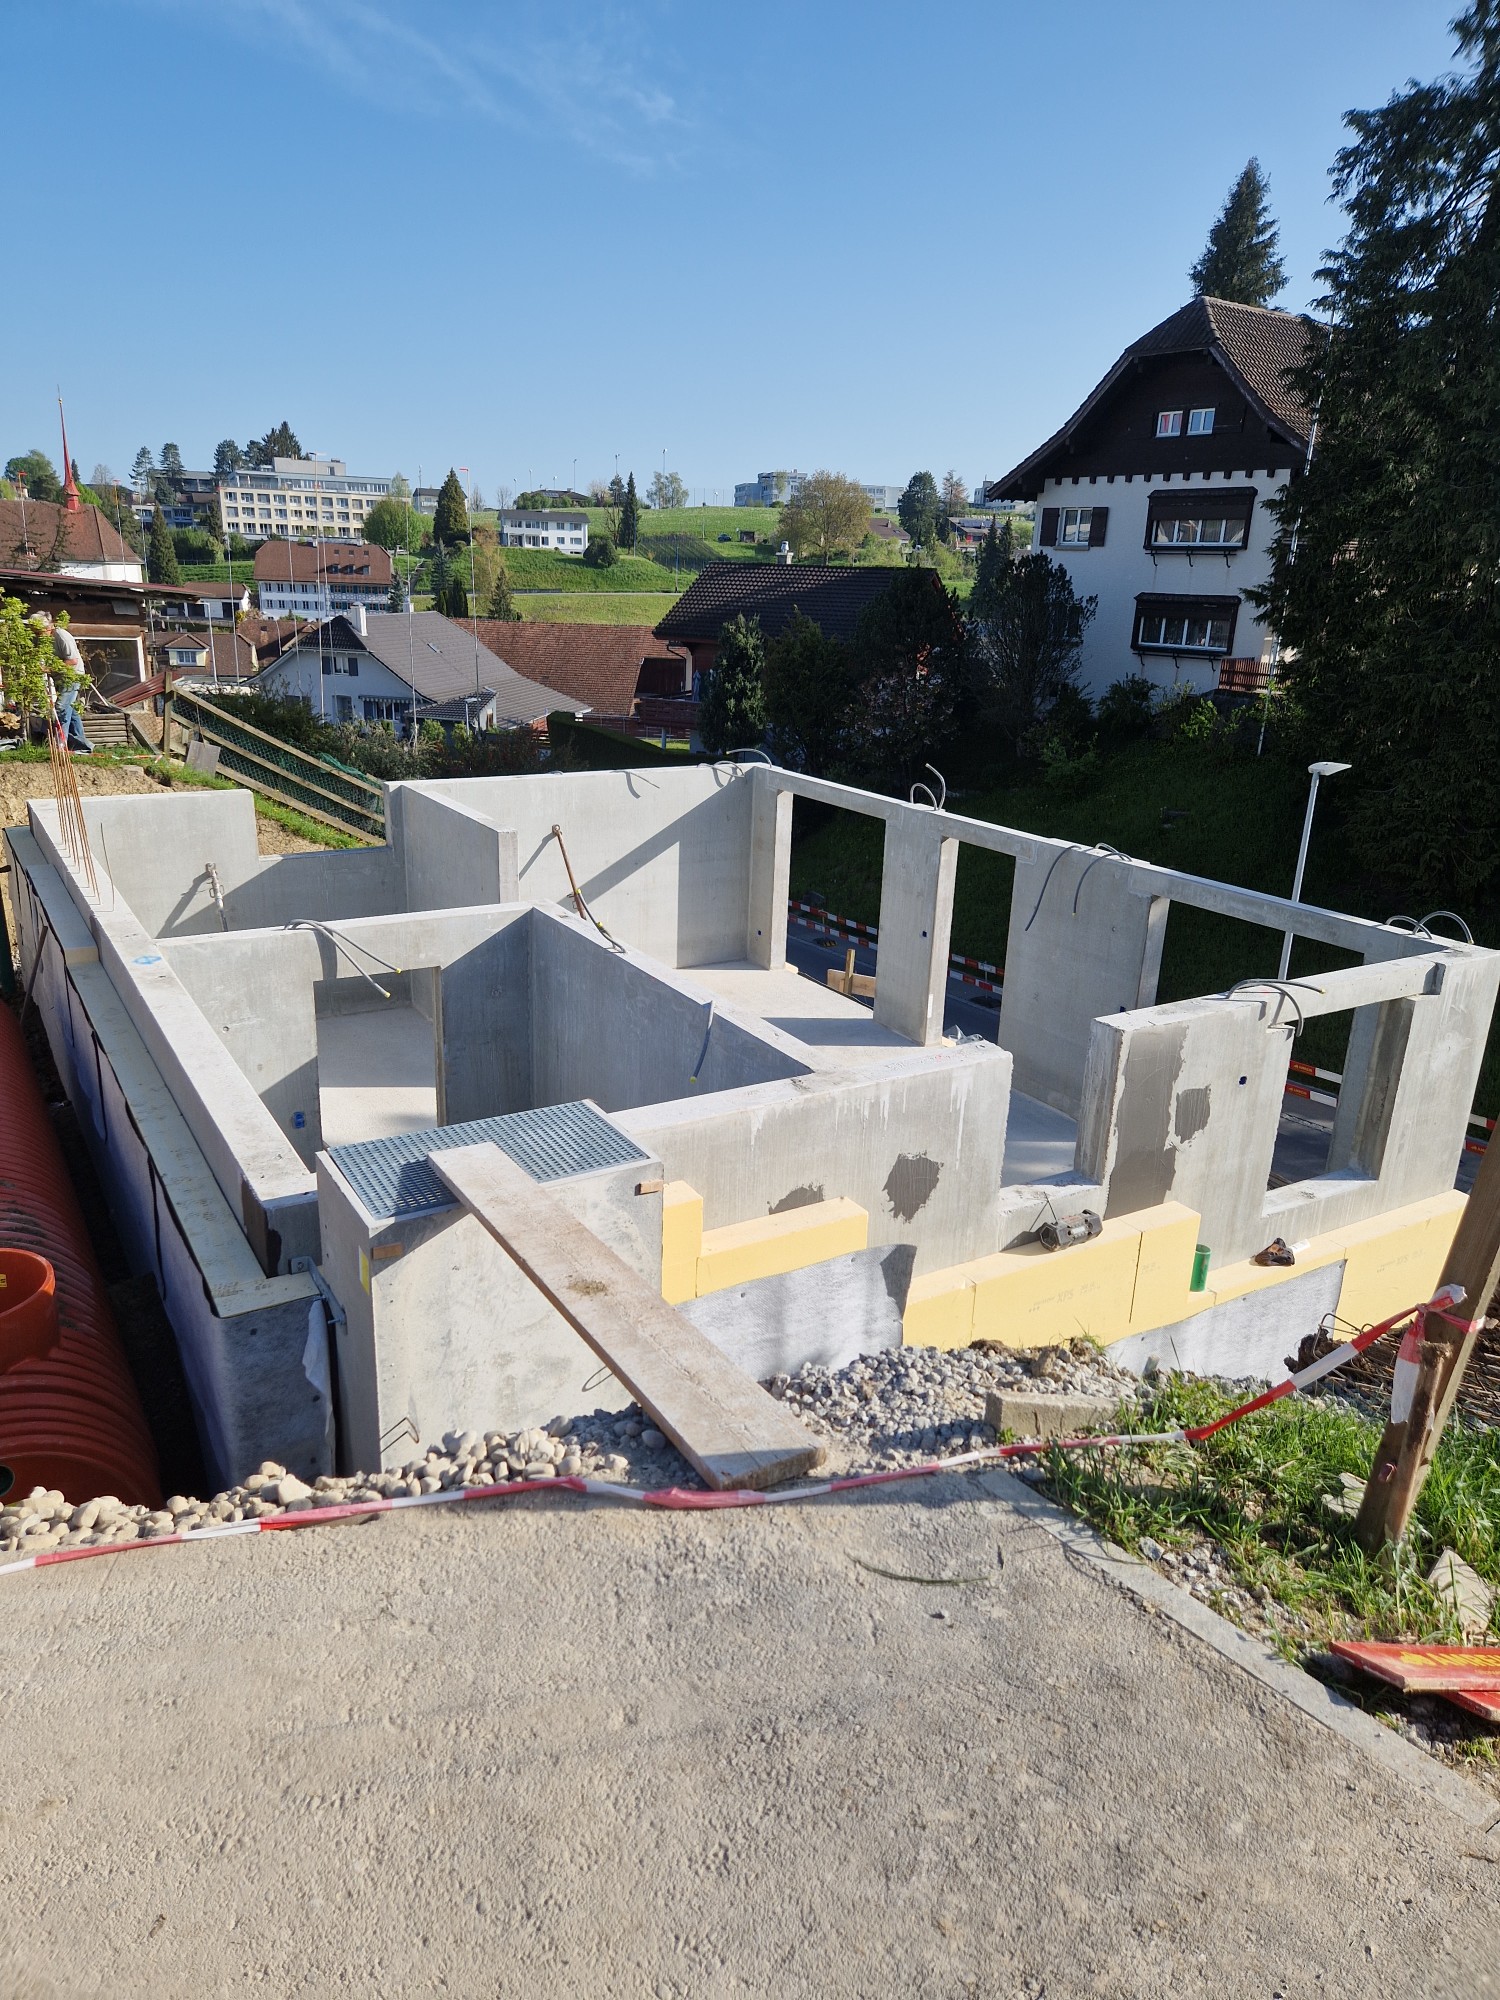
x=679 y=1498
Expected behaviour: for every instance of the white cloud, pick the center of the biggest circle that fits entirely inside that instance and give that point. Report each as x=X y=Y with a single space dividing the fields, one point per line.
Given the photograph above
x=581 y=90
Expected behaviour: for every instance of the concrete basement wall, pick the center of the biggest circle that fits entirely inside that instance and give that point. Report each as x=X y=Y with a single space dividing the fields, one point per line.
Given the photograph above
x=662 y=857
x=156 y=850
x=484 y=1027
x=918 y=1142
x=331 y=885
x=606 y=1027
x=452 y=856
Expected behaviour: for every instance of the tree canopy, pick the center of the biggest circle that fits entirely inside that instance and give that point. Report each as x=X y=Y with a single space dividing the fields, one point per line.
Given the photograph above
x=667 y=490
x=732 y=712
x=1385 y=569
x=909 y=656
x=170 y=461
x=161 y=554
x=38 y=473
x=1239 y=261
x=394 y=524
x=630 y=516
x=1026 y=627
x=500 y=603
x=811 y=696
x=26 y=657
x=227 y=456
x=918 y=507
x=281 y=442
x=450 y=522
x=828 y=515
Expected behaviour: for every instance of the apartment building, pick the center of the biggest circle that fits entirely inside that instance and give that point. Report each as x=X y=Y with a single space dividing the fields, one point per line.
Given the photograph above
x=542 y=528
x=774 y=489
x=298 y=498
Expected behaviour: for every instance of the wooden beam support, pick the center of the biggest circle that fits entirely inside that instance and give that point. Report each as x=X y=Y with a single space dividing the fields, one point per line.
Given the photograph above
x=724 y=1424
x=1407 y=1449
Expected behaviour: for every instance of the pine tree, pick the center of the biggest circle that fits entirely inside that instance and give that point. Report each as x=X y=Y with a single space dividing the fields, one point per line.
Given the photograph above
x=161 y=556
x=142 y=466
x=1382 y=584
x=450 y=522
x=732 y=714
x=502 y=605
x=1239 y=262
x=630 y=516
x=918 y=508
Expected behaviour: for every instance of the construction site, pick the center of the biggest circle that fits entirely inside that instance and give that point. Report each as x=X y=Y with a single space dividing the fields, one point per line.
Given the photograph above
x=511 y=1157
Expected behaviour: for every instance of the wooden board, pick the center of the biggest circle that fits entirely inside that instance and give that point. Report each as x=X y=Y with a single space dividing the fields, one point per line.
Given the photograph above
x=1426 y=1669
x=723 y=1423
x=1485 y=1706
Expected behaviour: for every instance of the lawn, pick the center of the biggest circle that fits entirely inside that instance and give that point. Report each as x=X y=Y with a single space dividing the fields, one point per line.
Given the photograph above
x=549 y=569
x=597 y=607
x=1241 y=820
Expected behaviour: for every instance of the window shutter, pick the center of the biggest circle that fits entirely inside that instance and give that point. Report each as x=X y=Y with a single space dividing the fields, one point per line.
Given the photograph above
x=1048 y=537
x=1098 y=522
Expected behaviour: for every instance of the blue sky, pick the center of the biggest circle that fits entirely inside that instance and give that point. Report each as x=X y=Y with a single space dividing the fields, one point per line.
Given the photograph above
x=871 y=237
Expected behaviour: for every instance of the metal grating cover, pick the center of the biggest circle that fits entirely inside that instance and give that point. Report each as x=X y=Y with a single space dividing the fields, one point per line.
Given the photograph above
x=392 y=1177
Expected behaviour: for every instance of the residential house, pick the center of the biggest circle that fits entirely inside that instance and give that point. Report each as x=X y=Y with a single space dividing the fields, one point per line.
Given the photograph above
x=189 y=505
x=543 y=528
x=831 y=595
x=320 y=579
x=60 y=559
x=888 y=533
x=298 y=497
x=424 y=500
x=220 y=602
x=214 y=657
x=403 y=668
x=1153 y=494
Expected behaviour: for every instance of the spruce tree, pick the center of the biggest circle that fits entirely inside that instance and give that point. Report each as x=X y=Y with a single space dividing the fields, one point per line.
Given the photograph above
x=630 y=516
x=1239 y=261
x=502 y=605
x=732 y=714
x=161 y=556
x=918 y=508
x=450 y=522
x=1382 y=584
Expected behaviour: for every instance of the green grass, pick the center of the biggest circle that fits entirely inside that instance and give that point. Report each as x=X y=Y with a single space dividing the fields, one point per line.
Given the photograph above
x=1244 y=815
x=1256 y=1491
x=549 y=569
x=641 y=607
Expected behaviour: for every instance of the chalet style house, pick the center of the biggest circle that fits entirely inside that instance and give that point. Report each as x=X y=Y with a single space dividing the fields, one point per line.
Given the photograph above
x=1153 y=494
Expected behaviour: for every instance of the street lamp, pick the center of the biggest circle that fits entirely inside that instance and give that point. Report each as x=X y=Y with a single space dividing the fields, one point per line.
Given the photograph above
x=1316 y=772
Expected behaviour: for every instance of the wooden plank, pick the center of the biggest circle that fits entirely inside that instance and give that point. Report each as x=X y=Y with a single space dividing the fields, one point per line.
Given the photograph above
x=1406 y=1450
x=723 y=1423
x=1425 y=1669
x=249 y=728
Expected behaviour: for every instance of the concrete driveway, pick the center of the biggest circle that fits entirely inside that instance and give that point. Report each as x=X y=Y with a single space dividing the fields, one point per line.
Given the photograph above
x=552 y=1747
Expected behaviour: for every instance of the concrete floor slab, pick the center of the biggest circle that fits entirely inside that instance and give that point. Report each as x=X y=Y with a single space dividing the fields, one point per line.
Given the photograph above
x=800 y=1006
x=549 y=1747
x=377 y=1074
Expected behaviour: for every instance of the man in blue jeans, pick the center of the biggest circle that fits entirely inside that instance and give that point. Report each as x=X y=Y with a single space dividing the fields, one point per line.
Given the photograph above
x=66 y=682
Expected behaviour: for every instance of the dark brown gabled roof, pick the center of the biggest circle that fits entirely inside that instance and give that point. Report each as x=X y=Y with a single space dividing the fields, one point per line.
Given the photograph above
x=833 y=597
x=1257 y=345
x=596 y=664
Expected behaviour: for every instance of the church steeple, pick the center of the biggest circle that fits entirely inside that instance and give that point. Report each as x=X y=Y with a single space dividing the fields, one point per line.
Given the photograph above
x=72 y=498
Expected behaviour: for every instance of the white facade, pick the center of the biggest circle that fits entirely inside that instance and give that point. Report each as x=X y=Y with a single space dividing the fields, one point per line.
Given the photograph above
x=542 y=528
x=1123 y=568
x=106 y=572
x=341 y=685
x=325 y=597
x=298 y=497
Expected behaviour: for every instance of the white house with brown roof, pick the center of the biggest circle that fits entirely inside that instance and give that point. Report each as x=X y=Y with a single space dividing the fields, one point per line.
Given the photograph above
x=321 y=579
x=46 y=535
x=1154 y=494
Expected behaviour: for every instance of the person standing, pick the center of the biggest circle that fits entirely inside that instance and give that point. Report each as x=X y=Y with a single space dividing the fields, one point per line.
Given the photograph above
x=66 y=680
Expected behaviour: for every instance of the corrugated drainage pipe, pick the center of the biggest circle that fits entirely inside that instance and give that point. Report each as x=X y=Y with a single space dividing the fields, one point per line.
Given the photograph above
x=28 y=1307
x=70 y=1417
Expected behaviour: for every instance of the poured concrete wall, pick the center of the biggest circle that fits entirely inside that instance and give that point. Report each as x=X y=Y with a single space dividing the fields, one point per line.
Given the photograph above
x=257 y=996
x=917 y=1142
x=484 y=1027
x=156 y=852
x=662 y=857
x=451 y=855
x=606 y=1027
x=444 y=1332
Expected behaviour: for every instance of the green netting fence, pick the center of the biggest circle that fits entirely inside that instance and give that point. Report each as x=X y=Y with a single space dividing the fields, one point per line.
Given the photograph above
x=314 y=785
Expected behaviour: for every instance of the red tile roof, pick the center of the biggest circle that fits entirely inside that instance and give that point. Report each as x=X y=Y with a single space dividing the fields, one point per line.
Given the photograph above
x=598 y=665
x=311 y=562
x=33 y=526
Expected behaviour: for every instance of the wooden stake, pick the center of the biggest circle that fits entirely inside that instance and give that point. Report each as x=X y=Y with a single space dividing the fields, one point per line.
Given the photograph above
x=849 y=970
x=1407 y=1449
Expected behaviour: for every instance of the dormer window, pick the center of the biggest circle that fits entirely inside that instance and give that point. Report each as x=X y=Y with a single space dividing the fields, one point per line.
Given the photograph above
x=1169 y=423
x=1200 y=423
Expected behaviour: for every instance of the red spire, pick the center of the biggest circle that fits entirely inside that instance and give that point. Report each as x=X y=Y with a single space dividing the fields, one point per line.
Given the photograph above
x=72 y=498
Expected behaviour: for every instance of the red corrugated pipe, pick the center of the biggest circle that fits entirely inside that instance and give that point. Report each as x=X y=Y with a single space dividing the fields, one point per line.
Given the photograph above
x=70 y=1417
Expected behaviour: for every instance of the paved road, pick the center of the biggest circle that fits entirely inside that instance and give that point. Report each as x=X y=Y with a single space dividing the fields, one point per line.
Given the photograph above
x=558 y=1749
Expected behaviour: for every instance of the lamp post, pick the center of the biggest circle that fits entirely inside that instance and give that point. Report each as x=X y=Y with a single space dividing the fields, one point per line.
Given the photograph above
x=1316 y=772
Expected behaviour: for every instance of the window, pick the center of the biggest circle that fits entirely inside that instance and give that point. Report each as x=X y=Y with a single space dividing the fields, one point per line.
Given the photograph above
x=1073 y=528
x=1208 y=533
x=1200 y=423
x=1215 y=520
x=1169 y=423
x=1185 y=624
